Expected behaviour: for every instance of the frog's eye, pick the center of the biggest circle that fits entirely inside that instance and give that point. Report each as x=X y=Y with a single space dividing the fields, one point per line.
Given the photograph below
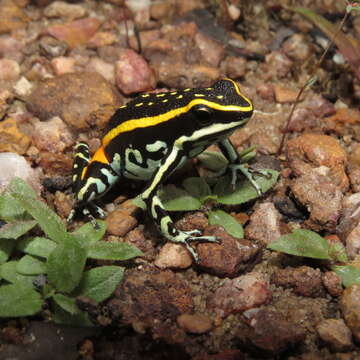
x=203 y=114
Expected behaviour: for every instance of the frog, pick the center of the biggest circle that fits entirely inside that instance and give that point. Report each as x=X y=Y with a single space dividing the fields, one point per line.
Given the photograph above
x=151 y=137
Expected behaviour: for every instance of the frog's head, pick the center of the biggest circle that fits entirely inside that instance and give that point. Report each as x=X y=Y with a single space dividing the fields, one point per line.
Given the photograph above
x=218 y=110
x=225 y=103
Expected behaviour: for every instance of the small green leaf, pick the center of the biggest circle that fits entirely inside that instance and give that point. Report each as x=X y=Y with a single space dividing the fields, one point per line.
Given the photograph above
x=337 y=252
x=88 y=234
x=113 y=251
x=16 y=229
x=47 y=291
x=19 y=300
x=49 y=222
x=10 y=209
x=223 y=186
x=9 y=273
x=138 y=201
x=6 y=248
x=228 y=222
x=175 y=199
x=37 y=246
x=62 y=317
x=244 y=190
x=30 y=265
x=349 y=274
x=99 y=283
x=213 y=160
x=20 y=187
x=65 y=265
x=302 y=242
x=197 y=187
x=66 y=303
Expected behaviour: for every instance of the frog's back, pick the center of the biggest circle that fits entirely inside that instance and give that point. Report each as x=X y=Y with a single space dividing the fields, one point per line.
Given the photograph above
x=148 y=106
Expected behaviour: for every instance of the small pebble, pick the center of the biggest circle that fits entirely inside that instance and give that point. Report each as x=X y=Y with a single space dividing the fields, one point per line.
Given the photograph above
x=13 y=165
x=336 y=334
x=173 y=256
x=133 y=74
x=9 y=69
x=195 y=323
x=119 y=223
x=63 y=9
x=63 y=65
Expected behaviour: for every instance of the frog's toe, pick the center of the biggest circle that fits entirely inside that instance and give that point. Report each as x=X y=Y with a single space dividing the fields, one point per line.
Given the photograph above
x=193 y=232
x=71 y=216
x=211 y=239
x=203 y=239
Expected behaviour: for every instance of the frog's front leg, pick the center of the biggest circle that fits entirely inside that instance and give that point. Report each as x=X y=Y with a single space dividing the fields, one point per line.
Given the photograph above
x=160 y=215
x=231 y=154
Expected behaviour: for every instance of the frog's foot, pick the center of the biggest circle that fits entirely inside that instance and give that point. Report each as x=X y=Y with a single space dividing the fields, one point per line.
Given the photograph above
x=186 y=237
x=248 y=173
x=90 y=211
x=265 y=173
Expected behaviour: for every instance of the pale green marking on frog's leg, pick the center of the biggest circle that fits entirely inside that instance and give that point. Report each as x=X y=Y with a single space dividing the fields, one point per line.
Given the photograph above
x=85 y=195
x=111 y=177
x=116 y=164
x=135 y=152
x=156 y=146
x=143 y=170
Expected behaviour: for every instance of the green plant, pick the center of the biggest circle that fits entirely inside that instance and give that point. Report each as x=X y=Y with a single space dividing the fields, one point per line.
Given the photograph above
x=307 y=243
x=35 y=269
x=196 y=191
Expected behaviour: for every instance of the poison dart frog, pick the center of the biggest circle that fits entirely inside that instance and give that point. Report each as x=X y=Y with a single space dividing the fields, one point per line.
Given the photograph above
x=152 y=136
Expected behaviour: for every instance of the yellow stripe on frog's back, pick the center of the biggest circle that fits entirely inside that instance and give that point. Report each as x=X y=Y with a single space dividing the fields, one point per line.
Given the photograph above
x=148 y=121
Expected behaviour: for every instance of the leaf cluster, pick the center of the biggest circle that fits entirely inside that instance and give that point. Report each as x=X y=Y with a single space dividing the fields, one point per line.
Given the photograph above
x=307 y=243
x=196 y=191
x=51 y=267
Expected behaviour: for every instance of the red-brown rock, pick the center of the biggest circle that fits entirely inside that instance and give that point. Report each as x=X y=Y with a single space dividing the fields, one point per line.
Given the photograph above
x=335 y=334
x=12 y=139
x=133 y=74
x=52 y=135
x=245 y=292
x=305 y=281
x=350 y=308
x=332 y=283
x=265 y=225
x=75 y=33
x=119 y=223
x=12 y=17
x=228 y=258
x=80 y=99
x=321 y=197
x=269 y=333
x=153 y=299
x=313 y=150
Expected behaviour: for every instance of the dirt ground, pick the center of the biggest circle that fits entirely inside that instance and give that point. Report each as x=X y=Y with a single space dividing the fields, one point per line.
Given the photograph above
x=65 y=67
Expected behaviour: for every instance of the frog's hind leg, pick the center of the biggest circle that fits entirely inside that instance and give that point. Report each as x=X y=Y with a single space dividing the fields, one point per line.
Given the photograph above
x=81 y=161
x=91 y=180
x=160 y=215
